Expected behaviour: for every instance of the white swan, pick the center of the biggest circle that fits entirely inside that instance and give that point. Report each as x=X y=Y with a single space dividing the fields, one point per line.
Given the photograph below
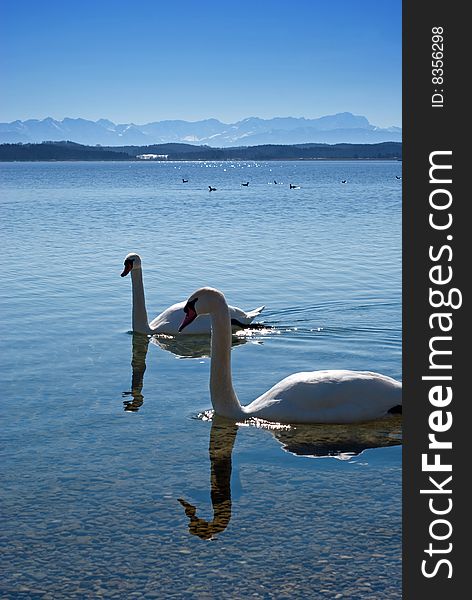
x=168 y=321
x=311 y=397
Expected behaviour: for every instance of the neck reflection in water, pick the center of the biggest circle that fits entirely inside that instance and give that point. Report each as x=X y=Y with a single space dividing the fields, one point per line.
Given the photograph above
x=222 y=438
x=316 y=441
x=191 y=346
x=138 y=364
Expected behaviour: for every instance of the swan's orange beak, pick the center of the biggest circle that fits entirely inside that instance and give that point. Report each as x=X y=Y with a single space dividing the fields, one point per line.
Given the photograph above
x=128 y=267
x=190 y=315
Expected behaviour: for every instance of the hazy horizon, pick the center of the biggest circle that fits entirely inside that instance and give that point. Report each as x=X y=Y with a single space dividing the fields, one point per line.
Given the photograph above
x=209 y=118
x=194 y=61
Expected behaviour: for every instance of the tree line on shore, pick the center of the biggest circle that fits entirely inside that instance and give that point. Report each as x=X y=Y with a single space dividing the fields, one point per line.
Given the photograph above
x=66 y=150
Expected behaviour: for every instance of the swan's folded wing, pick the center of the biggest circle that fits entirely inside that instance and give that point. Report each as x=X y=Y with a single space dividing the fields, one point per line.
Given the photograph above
x=244 y=317
x=170 y=320
x=328 y=397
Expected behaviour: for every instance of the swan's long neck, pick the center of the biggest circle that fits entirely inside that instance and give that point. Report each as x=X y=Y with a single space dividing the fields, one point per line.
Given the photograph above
x=140 y=319
x=223 y=397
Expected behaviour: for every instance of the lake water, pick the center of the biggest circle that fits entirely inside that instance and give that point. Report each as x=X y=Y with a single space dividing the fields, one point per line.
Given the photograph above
x=111 y=487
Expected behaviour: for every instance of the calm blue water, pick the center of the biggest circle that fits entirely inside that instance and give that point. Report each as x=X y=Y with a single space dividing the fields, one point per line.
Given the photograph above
x=90 y=491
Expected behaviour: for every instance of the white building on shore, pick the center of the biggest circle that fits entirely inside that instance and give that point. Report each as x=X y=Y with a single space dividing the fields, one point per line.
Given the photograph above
x=152 y=156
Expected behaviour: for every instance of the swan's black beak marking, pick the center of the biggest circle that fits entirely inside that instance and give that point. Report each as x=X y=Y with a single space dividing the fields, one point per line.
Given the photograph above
x=128 y=267
x=190 y=314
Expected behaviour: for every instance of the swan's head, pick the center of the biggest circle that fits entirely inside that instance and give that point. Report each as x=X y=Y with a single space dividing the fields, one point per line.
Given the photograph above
x=132 y=261
x=202 y=302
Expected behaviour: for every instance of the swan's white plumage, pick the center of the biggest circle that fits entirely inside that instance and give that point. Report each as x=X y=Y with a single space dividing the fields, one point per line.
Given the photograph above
x=169 y=320
x=335 y=396
x=331 y=396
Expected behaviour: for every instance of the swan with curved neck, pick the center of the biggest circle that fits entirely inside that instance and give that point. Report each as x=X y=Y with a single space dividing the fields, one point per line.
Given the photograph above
x=168 y=321
x=334 y=396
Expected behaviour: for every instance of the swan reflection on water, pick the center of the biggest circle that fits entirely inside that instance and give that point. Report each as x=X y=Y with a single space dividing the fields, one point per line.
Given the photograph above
x=140 y=344
x=340 y=441
x=222 y=437
x=194 y=346
x=318 y=441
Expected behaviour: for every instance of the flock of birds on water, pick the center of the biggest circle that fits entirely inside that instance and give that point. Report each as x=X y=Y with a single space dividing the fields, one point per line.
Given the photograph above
x=324 y=396
x=246 y=184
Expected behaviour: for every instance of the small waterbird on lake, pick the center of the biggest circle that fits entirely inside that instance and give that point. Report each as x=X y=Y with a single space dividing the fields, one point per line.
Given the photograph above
x=398 y=176
x=344 y=181
x=245 y=184
x=211 y=189
x=328 y=396
x=294 y=187
x=184 y=180
x=169 y=321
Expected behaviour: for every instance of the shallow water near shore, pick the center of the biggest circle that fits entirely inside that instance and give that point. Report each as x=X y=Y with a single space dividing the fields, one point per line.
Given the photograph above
x=111 y=484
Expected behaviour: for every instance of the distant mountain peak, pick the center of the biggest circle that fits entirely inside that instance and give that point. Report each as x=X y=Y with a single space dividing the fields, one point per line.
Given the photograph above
x=105 y=123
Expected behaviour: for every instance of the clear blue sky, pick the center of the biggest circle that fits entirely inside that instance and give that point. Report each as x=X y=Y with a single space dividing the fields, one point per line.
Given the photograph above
x=144 y=61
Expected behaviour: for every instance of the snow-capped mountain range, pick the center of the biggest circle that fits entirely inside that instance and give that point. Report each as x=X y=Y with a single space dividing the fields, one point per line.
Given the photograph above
x=332 y=129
